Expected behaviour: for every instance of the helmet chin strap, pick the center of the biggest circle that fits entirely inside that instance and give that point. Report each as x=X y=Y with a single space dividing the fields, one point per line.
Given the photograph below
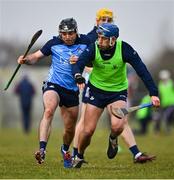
x=111 y=43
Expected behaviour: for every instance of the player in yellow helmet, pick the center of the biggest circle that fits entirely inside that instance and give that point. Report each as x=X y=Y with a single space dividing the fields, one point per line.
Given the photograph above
x=103 y=15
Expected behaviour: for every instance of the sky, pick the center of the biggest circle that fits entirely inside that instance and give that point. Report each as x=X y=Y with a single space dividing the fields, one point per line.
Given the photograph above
x=147 y=25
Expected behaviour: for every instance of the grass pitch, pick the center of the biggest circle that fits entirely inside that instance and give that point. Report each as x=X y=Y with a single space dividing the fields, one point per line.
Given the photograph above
x=17 y=158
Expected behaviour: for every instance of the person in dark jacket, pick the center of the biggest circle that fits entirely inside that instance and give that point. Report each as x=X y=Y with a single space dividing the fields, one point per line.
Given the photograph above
x=26 y=91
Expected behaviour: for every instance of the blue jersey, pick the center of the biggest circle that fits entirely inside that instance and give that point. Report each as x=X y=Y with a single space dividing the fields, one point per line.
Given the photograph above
x=60 y=71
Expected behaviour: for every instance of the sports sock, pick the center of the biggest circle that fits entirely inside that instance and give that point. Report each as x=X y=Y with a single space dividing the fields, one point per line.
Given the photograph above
x=80 y=156
x=43 y=145
x=65 y=147
x=134 y=150
x=112 y=137
x=75 y=151
x=113 y=140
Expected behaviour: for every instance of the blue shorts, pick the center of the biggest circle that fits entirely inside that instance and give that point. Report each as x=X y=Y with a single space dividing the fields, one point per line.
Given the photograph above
x=84 y=94
x=101 y=99
x=68 y=98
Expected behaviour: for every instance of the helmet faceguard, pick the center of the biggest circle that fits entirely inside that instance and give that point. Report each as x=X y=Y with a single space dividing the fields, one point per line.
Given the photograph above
x=68 y=25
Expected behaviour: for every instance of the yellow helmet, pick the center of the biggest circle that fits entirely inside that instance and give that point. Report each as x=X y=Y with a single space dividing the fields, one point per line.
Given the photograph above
x=104 y=12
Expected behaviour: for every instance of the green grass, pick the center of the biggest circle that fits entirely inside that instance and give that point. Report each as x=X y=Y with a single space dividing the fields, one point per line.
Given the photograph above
x=17 y=160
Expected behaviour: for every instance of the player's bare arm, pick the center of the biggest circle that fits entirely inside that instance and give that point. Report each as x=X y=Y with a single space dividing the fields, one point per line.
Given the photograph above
x=31 y=58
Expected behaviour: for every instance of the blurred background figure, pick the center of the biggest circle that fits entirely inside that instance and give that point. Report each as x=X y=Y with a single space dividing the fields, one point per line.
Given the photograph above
x=166 y=92
x=26 y=91
x=133 y=86
x=144 y=116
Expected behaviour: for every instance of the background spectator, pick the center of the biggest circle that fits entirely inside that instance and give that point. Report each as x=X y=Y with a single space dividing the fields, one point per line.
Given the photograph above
x=166 y=92
x=25 y=90
x=144 y=116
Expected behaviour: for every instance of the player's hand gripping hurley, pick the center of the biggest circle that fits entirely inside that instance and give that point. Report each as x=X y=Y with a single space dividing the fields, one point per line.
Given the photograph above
x=122 y=112
x=33 y=40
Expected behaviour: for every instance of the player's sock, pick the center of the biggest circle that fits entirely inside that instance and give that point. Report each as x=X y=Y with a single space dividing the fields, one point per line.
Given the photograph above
x=43 y=145
x=75 y=151
x=65 y=147
x=80 y=156
x=134 y=150
x=112 y=137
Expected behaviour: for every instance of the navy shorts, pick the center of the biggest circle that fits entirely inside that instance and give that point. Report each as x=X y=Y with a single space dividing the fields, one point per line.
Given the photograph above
x=68 y=98
x=101 y=98
x=85 y=94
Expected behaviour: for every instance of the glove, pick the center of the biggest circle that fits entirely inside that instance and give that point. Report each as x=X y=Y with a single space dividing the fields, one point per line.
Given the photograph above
x=79 y=79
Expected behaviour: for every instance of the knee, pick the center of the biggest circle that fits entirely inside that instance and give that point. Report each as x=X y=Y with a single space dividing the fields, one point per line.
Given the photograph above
x=88 y=133
x=48 y=113
x=70 y=130
x=117 y=128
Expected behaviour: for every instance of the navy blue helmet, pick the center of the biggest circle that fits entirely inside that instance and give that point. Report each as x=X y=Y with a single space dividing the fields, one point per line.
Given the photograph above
x=67 y=25
x=108 y=30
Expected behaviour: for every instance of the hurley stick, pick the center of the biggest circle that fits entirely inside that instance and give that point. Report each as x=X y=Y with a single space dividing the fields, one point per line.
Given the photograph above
x=33 y=40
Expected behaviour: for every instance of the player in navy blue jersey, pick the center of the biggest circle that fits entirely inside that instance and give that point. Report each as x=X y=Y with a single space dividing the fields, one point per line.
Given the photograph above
x=107 y=85
x=102 y=16
x=106 y=15
x=59 y=89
